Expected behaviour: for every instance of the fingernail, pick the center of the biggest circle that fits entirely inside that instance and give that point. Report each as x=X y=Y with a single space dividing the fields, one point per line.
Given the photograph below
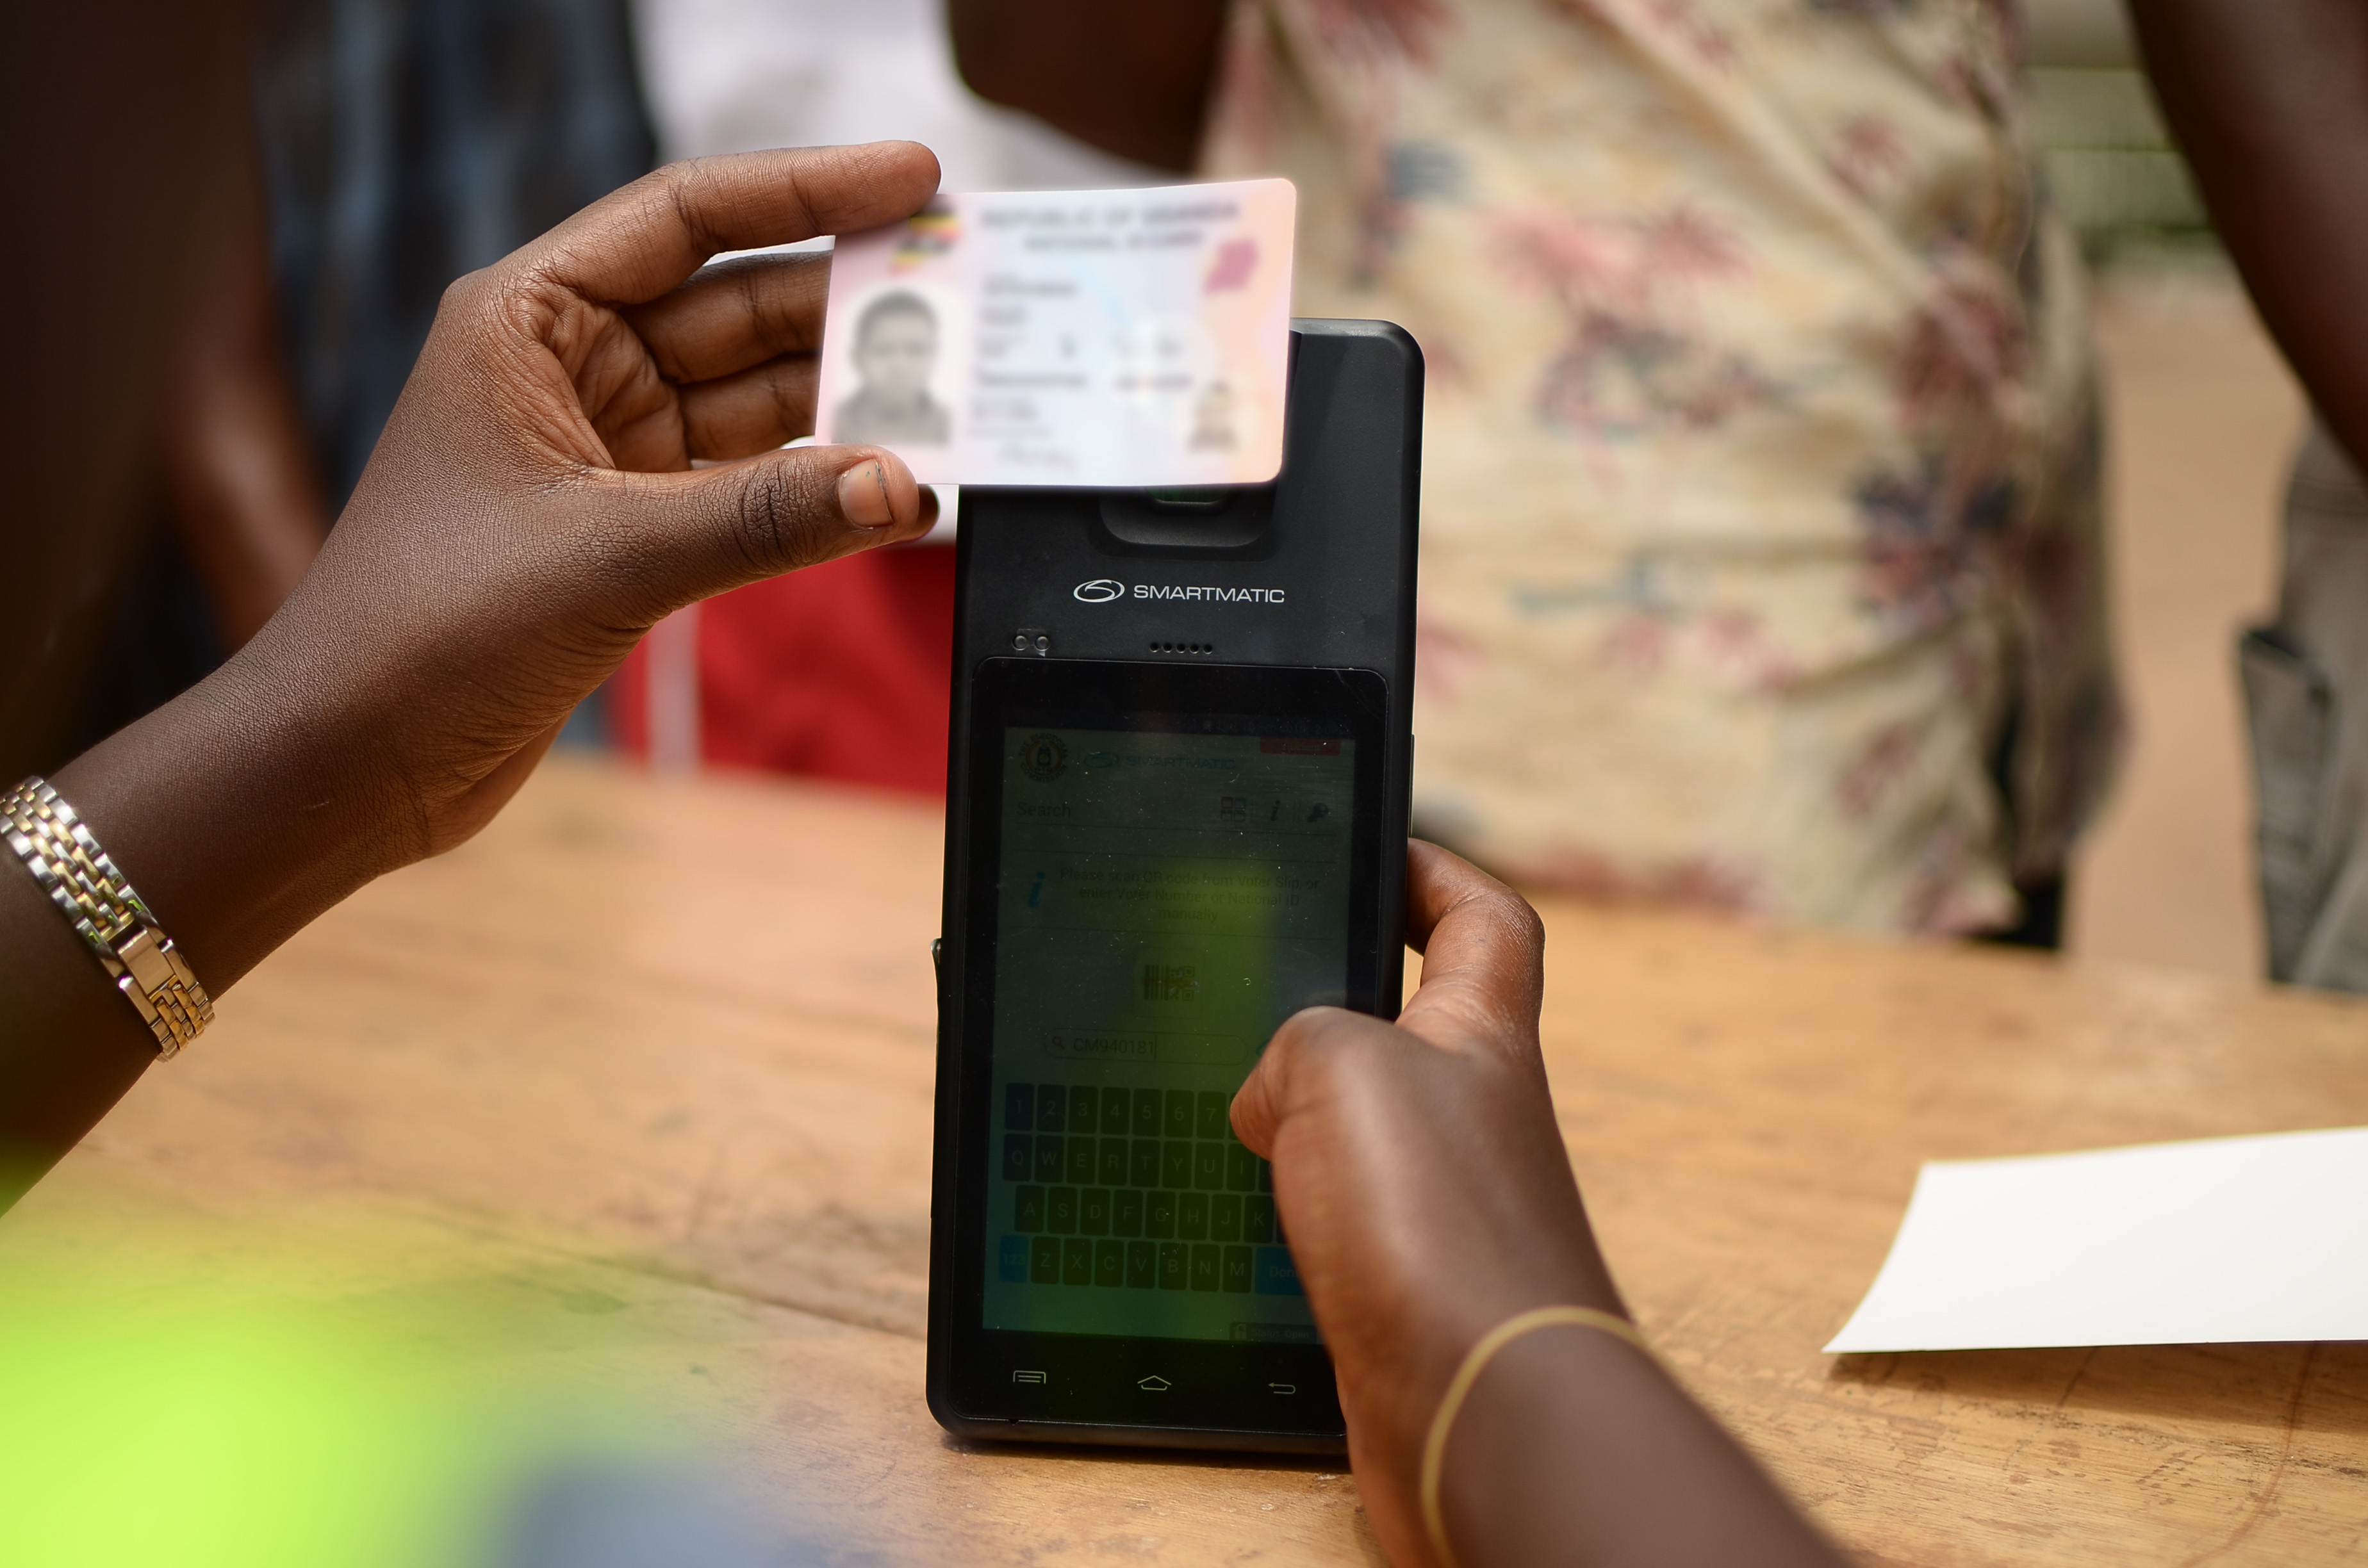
x=863 y=496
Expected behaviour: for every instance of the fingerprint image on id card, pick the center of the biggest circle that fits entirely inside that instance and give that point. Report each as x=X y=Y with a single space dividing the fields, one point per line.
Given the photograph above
x=1102 y=339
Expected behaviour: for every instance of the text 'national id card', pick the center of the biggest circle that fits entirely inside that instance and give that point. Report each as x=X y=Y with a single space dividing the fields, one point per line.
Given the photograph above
x=1107 y=338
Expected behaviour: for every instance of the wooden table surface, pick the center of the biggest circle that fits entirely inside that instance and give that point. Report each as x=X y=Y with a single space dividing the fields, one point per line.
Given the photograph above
x=670 y=1045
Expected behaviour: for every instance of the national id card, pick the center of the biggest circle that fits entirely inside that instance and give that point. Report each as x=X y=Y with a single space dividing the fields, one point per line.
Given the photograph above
x=1103 y=338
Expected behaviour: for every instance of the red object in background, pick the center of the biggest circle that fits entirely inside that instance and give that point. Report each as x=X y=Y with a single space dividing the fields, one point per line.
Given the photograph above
x=842 y=671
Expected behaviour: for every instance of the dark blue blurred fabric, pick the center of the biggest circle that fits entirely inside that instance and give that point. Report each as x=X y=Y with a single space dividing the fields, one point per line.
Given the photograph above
x=408 y=142
x=617 y=1515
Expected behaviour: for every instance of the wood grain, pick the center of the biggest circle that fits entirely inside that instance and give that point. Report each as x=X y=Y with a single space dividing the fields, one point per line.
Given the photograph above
x=669 y=1045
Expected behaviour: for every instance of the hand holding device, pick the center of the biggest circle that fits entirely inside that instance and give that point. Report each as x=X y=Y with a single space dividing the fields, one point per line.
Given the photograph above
x=1421 y=1170
x=1428 y=1196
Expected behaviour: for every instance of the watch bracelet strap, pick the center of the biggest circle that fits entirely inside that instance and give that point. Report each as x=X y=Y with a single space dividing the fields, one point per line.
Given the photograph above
x=98 y=901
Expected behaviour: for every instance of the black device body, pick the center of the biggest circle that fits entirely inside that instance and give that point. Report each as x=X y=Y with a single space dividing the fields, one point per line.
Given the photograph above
x=1176 y=812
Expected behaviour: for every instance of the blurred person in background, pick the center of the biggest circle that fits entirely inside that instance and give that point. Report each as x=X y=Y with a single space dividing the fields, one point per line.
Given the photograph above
x=396 y=144
x=1762 y=543
x=222 y=513
x=246 y=492
x=407 y=142
x=391 y=146
x=843 y=672
x=82 y=406
x=2270 y=103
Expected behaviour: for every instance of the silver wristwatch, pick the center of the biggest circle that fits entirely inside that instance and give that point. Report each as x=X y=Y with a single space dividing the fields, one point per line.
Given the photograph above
x=98 y=901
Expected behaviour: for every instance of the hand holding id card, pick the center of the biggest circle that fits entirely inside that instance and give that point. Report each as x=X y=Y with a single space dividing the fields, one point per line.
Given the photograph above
x=1104 y=338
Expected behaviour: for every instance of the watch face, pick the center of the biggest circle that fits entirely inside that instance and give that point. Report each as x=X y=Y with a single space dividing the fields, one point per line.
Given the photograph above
x=1165 y=863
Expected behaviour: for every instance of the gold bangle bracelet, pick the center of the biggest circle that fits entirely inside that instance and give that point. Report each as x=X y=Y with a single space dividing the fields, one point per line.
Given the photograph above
x=97 y=899
x=1459 y=1388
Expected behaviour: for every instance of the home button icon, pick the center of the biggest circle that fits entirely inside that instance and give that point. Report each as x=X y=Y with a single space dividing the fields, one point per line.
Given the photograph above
x=1155 y=1383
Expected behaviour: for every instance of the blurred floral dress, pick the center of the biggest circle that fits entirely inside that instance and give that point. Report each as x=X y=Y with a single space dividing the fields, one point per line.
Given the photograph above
x=1761 y=542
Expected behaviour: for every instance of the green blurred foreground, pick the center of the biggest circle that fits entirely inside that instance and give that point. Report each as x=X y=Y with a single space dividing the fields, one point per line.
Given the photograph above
x=209 y=1412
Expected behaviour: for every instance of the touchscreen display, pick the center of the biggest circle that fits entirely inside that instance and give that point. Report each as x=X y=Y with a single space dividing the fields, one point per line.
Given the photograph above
x=1166 y=895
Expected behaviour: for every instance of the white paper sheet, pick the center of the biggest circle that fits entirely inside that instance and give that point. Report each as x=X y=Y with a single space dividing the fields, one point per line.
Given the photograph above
x=2220 y=1240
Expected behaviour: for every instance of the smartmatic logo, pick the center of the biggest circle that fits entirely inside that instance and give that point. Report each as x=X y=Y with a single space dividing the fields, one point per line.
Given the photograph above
x=1103 y=590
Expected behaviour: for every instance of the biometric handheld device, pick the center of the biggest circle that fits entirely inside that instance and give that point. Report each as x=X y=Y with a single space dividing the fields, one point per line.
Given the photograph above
x=1176 y=815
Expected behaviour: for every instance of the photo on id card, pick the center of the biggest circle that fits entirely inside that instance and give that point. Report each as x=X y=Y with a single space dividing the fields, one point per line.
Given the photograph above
x=905 y=357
